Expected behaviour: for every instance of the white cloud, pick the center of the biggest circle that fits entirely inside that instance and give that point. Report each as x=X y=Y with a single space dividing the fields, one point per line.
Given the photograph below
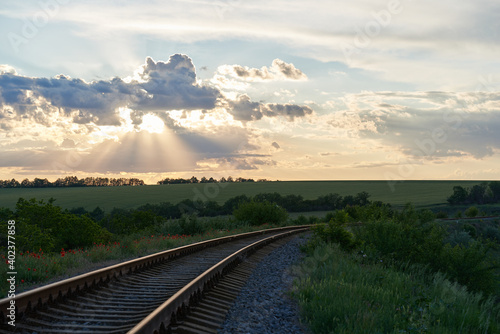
x=279 y=70
x=448 y=124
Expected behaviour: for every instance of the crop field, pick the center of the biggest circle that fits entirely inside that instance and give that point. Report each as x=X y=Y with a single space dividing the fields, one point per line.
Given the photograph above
x=420 y=193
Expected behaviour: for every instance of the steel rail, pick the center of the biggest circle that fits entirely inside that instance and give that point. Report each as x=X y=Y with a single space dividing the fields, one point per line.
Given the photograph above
x=159 y=321
x=32 y=300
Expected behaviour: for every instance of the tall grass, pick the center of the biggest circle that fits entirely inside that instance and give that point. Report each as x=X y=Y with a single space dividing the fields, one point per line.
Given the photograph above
x=345 y=293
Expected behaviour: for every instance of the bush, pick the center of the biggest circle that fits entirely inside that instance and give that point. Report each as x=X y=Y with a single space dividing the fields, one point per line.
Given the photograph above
x=189 y=225
x=459 y=238
x=492 y=233
x=335 y=233
x=410 y=241
x=442 y=215
x=44 y=225
x=469 y=266
x=471 y=230
x=258 y=213
x=471 y=212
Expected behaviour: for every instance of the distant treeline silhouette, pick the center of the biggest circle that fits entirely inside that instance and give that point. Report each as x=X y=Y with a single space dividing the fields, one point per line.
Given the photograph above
x=73 y=181
x=209 y=180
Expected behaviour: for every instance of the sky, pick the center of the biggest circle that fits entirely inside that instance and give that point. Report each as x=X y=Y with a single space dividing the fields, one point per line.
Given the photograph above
x=288 y=90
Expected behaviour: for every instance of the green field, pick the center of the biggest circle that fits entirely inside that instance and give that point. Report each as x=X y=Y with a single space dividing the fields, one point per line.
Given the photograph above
x=420 y=193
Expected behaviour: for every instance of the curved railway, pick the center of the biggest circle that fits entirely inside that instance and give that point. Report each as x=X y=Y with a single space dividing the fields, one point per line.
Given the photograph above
x=151 y=294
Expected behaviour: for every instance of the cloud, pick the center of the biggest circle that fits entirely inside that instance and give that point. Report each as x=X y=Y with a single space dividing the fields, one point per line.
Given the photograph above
x=426 y=125
x=172 y=85
x=279 y=70
x=7 y=69
x=157 y=86
x=236 y=163
x=67 y=125
x=243 y=109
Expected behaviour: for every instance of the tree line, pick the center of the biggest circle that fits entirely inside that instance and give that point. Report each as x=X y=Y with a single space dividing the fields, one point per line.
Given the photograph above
x=484 y=193
x=194 y=180
x=45 y=223
x=73 y=181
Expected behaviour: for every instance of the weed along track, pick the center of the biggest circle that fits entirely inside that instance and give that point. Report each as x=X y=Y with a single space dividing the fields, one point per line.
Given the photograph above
x=147 y=295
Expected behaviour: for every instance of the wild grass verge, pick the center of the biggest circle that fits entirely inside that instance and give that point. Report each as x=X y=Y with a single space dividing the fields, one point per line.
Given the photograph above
x=343 y=292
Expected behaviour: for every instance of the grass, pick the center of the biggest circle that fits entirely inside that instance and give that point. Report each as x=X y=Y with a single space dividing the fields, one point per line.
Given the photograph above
x=348 y=293
x=420 y=193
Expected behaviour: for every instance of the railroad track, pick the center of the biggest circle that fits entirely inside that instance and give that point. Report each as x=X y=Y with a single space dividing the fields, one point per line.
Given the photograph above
x=147 y=295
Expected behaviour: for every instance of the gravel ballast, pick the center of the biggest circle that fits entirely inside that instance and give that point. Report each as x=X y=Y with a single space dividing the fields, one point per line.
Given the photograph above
x=263 y=305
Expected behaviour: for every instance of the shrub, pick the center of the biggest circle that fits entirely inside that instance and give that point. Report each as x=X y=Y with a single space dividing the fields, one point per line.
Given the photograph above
x=442 y=215
x=471 y=230
x=301 y=220
x=459 y=238
x=410 y=241
x=335 y=232
x=46 y=225
x=471 y=212
x=189 y=225
x=492 y=233
x=426 y=216
x=258 y=213
x=469 y=266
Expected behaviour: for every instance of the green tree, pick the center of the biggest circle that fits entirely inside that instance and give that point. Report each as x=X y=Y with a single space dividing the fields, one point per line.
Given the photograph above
x=460 y=195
